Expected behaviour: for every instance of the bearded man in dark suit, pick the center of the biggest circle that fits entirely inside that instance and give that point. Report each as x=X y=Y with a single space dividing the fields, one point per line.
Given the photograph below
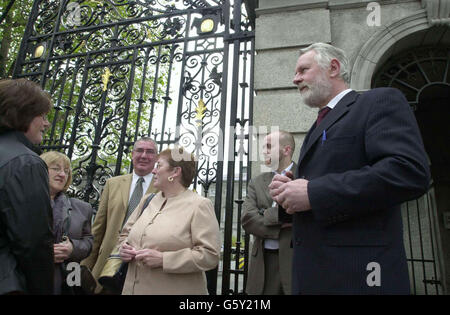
x=360 y=160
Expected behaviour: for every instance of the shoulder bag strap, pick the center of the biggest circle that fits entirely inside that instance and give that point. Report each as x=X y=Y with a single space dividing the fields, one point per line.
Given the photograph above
x=147 y=201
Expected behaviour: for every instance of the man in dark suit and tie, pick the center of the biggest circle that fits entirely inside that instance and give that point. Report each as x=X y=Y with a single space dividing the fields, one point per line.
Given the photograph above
x=270 y=268
x=360 y=160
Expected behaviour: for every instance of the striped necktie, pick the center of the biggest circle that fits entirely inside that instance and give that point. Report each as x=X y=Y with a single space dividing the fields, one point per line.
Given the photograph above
x=135 y=198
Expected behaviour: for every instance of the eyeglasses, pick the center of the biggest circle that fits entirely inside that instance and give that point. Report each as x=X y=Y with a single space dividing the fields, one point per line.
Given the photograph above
x=147 y=151
x=59 y=170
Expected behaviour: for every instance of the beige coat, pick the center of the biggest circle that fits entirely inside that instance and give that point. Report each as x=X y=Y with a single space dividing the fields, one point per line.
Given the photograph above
x=264 y=226
x=108 y=222
x=187 y=233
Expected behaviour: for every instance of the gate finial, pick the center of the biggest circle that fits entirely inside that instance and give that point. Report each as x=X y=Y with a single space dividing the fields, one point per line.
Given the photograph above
x=105 y=78
x=200 y=112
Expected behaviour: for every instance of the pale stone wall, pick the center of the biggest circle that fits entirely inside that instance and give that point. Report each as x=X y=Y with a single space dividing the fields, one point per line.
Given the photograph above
x=285 y=26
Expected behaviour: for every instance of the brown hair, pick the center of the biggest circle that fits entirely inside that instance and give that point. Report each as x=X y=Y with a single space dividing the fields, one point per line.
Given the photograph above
x=179 y=157
x=52 y=157
x=21 y=101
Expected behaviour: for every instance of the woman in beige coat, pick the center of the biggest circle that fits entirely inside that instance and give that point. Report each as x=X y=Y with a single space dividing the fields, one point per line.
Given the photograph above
x=176 y=238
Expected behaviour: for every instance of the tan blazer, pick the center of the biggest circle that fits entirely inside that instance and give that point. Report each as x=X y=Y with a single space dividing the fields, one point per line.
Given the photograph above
x=108 y=222
x=187 y=233
x=263 y=226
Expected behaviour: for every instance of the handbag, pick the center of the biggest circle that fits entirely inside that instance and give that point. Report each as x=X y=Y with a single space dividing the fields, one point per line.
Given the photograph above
x=87 y=283
x=113 y=275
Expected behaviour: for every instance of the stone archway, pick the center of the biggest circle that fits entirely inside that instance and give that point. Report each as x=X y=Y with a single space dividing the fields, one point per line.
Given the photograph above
x=382 y=45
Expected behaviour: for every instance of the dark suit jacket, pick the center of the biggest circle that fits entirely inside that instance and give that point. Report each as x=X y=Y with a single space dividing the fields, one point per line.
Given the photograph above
x=266 y=225
x=370 y=161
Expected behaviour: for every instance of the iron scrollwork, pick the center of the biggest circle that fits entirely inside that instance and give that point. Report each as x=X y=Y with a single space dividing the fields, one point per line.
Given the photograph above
x=121 y=69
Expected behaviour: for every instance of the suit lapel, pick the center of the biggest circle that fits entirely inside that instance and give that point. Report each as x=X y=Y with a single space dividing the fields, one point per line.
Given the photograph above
x=341 y=108
x=125 y=190
x=65 y=212
x=267 y=179
x=303 y=149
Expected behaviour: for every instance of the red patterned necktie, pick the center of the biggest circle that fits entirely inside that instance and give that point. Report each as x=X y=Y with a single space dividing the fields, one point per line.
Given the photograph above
x=322 y=114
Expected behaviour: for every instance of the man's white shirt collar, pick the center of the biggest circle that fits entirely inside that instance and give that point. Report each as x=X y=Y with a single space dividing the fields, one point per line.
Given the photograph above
x=147 y=178
x=286 y=169
x=332 y=104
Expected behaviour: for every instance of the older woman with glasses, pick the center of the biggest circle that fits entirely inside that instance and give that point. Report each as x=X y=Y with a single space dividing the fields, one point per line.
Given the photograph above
x=176 y=239
x=71 y=220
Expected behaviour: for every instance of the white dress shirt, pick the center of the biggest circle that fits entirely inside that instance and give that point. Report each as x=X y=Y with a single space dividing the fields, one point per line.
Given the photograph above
x=271 y=243
x=145 y=184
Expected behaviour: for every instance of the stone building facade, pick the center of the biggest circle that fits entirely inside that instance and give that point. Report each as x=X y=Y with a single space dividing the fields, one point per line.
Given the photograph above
x=399 y=43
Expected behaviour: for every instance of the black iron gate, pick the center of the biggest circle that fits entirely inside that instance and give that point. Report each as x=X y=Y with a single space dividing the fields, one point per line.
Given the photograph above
x=177 y=71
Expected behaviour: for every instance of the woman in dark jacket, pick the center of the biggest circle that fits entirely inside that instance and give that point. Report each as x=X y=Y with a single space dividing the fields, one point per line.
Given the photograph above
x=26 y=240
x=71 y=220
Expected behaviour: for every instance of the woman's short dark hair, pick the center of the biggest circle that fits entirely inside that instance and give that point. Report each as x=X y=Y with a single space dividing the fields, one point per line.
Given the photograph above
x=21 y=101
x=179 y=157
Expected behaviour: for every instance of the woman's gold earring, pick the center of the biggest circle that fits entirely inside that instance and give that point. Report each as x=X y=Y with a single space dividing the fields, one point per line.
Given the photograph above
x=170 y=178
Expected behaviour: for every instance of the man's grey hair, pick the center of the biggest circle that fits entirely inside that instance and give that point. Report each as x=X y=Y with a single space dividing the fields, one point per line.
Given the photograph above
x=325 y=53
x=147 y=139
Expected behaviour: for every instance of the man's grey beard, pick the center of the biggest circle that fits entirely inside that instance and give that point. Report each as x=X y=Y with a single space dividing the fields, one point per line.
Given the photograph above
x=318 y=92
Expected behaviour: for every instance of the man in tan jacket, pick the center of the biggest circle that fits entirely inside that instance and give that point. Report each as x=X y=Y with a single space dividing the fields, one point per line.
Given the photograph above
x=269 y=271
x=118 y=200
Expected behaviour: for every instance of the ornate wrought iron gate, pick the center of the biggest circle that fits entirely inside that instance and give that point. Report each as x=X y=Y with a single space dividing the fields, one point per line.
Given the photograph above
x=178 y=71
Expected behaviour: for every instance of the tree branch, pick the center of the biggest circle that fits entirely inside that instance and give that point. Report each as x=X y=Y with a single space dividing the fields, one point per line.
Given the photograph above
x=8 y=7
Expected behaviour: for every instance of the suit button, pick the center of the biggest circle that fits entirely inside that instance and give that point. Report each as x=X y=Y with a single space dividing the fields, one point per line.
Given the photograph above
x=298 y=242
